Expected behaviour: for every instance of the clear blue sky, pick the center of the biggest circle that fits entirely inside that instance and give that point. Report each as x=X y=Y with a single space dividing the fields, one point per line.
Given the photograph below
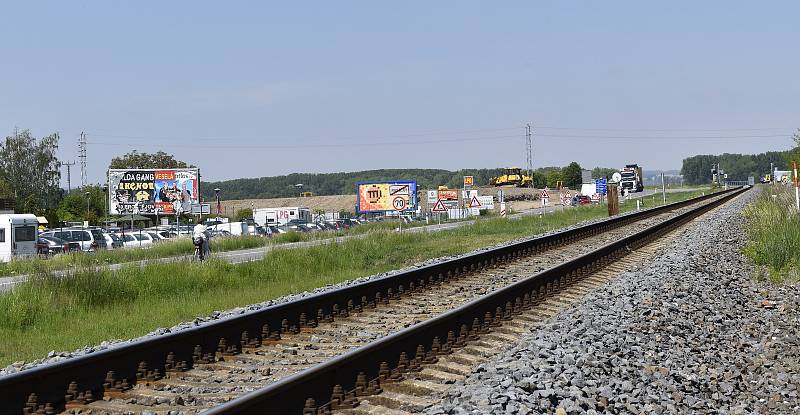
x=248 y=89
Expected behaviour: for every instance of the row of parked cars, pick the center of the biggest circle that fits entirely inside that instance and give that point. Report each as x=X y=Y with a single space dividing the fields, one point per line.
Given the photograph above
x=322 y=225
x=91 y=239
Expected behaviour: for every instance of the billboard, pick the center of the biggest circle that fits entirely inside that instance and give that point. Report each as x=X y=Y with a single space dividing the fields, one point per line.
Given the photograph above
x=393 y=196
x=141 y=191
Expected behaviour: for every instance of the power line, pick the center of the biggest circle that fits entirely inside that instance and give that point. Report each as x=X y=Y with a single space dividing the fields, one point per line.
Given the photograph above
x=453 y=140
x=100 y=133
x=663 y=129
x=529 y=148
x=69 y=179
x=82 y=156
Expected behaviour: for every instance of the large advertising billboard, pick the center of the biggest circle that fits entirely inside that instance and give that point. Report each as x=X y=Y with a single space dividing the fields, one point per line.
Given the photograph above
x=143 y=191
x=393 y=196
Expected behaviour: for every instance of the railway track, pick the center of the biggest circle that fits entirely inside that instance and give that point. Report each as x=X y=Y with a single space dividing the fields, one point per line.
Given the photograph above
x=279 y=345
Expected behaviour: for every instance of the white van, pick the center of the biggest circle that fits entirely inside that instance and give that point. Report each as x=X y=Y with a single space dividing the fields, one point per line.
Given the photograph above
x=281 y=216
x=18 y=236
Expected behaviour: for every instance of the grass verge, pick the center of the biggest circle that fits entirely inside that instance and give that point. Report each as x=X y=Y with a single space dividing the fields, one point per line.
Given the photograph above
x=773 y=231
x=173 y=248
x=89 y=306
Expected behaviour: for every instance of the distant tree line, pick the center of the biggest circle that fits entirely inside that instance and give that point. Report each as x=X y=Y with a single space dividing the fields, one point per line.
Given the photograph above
x=697 y=169
x=344 y=183
x=338 y=183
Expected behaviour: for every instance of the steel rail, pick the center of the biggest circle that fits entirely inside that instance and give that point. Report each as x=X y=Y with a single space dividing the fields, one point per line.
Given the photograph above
x=337 y=383
x=46 y=385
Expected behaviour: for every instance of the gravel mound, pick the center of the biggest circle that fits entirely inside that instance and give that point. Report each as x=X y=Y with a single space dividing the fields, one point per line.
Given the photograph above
x=691 y=332
x=55 y=356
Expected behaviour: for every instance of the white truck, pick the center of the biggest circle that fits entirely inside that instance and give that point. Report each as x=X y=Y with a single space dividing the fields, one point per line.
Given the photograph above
x=632 y=178
x=281 y=216
x=18 y=236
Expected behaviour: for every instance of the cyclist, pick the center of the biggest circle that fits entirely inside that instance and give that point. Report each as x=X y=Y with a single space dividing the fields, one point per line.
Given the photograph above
x=200 y=240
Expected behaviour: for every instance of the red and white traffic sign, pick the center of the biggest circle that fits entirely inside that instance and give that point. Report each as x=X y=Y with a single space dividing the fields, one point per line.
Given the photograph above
x=502 y=208
x=543 y=194
x=399 y=203
x=439 y=207
x=474 y=203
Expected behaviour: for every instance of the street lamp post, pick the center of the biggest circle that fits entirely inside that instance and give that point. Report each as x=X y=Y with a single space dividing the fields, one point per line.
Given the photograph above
x=87 y=205
x=219 y=207
x=105 y=204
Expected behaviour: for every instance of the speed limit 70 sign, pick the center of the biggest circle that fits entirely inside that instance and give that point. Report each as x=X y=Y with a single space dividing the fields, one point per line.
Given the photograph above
x=399 y=203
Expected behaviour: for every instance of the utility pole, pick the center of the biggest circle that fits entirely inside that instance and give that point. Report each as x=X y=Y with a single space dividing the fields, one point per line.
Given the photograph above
x=529 y=150
x=663 y=189
x=82 y=156
x=69 y=179
x=771 y=173
x=796 y=184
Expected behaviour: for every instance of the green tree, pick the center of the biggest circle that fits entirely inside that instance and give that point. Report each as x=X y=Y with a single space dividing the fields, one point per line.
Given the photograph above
x=553 y=177
x=603 y=173
x=246 y=213
x=30 y=169
x=794 y=154
x=539 y=179
x=5 y=190
x=137 y=160
x=572 y=175
x=73 y=206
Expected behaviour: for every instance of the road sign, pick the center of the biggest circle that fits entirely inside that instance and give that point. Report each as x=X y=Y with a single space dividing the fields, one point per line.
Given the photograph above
x=469 y=181
x=502 y=208
x=600 y=186
x=565 y=199
x=399 y=203
x=204 y=209
x=596 y=197
x=474 y=203
x=433 y=196
x=398 y=189
x=544 y=194
x=439 y=207
x=616 y=177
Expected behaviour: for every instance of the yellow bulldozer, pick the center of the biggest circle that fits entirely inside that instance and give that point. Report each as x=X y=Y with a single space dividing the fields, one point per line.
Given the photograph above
x=512 y=176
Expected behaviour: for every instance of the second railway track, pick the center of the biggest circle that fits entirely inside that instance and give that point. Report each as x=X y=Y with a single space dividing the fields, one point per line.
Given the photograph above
x=206 y=377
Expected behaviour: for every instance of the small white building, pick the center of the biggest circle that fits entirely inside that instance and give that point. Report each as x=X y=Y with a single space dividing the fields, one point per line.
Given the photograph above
x=281 y=216
x=18 y=236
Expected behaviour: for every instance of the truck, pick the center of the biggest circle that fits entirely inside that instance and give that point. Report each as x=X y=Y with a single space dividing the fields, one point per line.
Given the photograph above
x=281 y=216
x=632 y=179
x=18 y=236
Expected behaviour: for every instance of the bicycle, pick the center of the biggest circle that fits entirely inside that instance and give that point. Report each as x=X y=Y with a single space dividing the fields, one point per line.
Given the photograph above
x=198 y=249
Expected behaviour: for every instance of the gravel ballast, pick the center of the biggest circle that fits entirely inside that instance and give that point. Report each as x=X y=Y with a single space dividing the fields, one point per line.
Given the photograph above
x=689 y=332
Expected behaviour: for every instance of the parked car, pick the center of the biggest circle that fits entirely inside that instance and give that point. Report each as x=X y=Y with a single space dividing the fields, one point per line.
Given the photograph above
x=112 y=241
x=128 y=241
x=218 y=232
x=580 y=200
x=90 y=239
x=50 y=245
x=157 y=237
x=136 y=239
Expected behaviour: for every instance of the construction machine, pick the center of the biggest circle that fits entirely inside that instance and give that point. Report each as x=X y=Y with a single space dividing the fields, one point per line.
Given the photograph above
x=512 y=176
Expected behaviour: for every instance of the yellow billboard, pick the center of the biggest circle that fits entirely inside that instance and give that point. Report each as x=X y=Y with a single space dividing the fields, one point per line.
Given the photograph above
x=386 y=196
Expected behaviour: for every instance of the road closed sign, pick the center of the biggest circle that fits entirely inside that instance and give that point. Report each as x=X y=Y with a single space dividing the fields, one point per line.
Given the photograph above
x=390 y=196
